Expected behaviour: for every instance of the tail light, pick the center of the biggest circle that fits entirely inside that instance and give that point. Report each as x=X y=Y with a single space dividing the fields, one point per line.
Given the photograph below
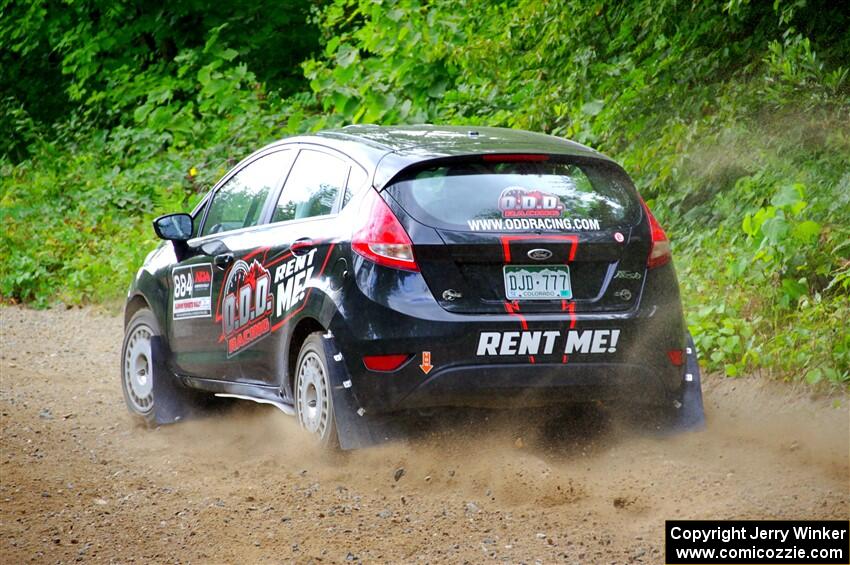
x=677 y=357
x=659 y=253
x=384 y=363
x=379 y=236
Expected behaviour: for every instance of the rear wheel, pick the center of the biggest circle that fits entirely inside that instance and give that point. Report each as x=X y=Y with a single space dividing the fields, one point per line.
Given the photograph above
x=313 y=395
x=137 y=364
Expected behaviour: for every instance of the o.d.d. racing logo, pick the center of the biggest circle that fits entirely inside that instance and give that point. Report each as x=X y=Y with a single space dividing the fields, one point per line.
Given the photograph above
x=247 y=305
x=517 y=202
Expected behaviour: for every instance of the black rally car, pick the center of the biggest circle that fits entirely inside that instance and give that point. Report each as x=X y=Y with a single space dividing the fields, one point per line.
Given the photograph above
x=371 y=270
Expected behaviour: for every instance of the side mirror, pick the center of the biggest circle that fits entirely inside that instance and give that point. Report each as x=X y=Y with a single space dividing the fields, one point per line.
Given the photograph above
x=174 y=227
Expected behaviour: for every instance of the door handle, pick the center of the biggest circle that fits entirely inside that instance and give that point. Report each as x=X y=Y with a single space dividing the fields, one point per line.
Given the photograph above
x=223 y=260
x=301 y=246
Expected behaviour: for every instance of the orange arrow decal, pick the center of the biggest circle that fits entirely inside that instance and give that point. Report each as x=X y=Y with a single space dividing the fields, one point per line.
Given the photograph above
x=426 y=365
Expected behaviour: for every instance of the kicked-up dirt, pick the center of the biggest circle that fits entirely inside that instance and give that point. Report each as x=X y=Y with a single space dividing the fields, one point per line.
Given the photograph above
x=81 y=481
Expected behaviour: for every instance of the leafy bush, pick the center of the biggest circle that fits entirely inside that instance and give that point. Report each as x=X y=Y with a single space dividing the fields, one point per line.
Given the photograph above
x=733 y=118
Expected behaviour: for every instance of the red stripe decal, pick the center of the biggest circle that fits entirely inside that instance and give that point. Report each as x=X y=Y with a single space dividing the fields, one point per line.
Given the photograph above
x=220 y=300
x=506 y=249
x=254 y=253
x=513 y=309
x=507 y=239
x=569 y=307
x=277 y=260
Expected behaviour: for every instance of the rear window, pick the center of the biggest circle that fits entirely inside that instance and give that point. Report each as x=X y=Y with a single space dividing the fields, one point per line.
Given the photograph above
x=510 y=196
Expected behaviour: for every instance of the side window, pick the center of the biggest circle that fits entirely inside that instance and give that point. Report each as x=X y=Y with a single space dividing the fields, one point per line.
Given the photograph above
x=312 y=187
x=239 y=203
x=198 y=216
x=356 y=182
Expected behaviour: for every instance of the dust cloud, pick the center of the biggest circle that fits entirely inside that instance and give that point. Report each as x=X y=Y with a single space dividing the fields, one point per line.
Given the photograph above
x=80 y=480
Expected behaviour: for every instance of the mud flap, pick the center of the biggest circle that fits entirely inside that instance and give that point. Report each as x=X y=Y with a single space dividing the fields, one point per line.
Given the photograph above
x=355 y=427
x=172 y=402
x=690 y=416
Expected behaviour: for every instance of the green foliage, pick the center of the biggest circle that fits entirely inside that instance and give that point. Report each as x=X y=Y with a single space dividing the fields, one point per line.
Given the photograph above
x=733 y=118
x=102 y=58
x=77 y=213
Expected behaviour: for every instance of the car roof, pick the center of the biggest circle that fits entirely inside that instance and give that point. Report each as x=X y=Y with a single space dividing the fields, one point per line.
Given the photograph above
x=387 y=150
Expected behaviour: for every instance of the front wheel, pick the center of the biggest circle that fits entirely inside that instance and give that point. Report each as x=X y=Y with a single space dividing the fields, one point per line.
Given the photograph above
x=137 y=365
x=313 y=396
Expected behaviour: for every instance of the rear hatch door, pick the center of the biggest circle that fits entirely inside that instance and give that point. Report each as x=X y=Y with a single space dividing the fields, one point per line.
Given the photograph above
x=536 y=233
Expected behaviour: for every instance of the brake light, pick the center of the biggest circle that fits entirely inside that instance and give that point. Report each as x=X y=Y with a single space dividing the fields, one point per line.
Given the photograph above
x=380 y=238
x=659 y=252
x=513 y=157
x=384 y=362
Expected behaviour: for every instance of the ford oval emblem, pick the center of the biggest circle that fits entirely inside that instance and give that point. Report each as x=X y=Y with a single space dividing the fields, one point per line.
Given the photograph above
x=539 y=254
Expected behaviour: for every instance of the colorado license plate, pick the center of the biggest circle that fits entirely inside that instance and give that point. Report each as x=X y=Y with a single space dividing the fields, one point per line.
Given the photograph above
x=537 y=282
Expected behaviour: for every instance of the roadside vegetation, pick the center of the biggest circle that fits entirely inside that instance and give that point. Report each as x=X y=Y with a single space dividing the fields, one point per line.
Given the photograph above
x=733 y=118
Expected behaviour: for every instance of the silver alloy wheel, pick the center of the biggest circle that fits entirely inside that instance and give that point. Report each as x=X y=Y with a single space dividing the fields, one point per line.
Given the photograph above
x=138 y=369
x=312 y=395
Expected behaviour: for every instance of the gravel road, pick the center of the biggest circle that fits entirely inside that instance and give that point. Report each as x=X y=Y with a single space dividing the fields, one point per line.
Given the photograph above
x=80 y=481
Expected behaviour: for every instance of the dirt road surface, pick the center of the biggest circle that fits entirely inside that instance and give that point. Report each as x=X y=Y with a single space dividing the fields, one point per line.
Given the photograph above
x=79 y=481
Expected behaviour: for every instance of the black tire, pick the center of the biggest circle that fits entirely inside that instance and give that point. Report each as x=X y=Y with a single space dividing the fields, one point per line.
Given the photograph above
x=137 y=365
x=314 y=407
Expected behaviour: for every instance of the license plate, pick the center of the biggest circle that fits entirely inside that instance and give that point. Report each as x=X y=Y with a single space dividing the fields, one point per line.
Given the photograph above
x=537 y=282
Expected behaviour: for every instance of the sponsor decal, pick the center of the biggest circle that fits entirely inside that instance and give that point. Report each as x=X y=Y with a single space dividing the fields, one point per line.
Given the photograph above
x=291 y=279
x=518 y=202
x=632 y=275
x=619 y=238
x=591 y=341
x=192 y=296
x=533 y=224
x=517 y=343
x=260 y=294
x=547 y=342
x=246 y=306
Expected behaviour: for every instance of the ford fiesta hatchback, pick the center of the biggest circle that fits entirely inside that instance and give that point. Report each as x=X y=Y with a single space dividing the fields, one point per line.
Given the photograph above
x=358 y=273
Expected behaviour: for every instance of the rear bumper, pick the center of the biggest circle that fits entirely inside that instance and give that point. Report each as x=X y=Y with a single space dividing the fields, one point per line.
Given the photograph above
x=637 y=369
x=511 y=385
